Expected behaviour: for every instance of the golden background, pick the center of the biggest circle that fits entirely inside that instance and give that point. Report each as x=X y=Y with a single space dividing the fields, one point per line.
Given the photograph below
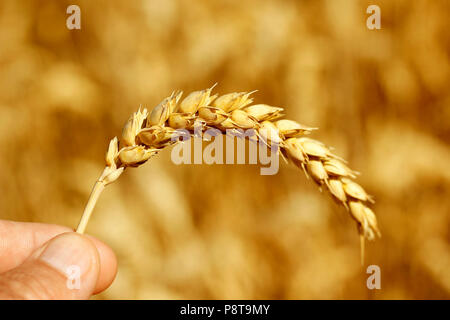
x=380 y=97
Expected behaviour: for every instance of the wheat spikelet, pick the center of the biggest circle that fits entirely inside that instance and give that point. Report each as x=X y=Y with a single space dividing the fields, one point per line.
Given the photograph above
x=145 y=134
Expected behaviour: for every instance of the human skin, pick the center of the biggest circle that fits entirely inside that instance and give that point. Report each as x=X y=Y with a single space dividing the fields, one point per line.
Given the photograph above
x=34 y=258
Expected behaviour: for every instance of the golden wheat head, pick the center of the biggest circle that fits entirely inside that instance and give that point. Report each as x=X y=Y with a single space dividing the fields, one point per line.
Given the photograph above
x=145 y=134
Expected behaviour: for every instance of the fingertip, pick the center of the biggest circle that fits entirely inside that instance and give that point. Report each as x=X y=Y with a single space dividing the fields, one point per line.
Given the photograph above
x=108 y=265
x=66 y=267
x=106 y=259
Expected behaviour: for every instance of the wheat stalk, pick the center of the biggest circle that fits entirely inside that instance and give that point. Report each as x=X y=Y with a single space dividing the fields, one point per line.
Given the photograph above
x=145 y=134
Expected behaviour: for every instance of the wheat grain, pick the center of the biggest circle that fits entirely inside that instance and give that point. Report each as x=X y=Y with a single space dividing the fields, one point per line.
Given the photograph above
x=144 y=135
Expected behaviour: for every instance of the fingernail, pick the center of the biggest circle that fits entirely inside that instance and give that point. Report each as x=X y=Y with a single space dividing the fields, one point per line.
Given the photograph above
x=69 y=251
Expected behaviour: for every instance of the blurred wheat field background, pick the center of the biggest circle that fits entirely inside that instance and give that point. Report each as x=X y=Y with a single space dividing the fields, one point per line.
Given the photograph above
x=380 y=97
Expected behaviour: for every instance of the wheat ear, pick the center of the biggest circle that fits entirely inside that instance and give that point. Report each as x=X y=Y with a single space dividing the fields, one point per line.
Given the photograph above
x=145 y=134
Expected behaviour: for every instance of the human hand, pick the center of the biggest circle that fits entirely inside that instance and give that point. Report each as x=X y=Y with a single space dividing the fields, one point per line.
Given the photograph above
x=35 y=257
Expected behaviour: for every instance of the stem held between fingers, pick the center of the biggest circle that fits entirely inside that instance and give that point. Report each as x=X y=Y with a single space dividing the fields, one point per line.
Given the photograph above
x=95 y=194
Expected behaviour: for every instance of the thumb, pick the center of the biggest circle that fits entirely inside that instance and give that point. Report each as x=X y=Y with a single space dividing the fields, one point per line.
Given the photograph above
x=66 y=267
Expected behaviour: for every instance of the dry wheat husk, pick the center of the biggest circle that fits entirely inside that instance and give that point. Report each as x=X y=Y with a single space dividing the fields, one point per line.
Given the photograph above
x=145 y=134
